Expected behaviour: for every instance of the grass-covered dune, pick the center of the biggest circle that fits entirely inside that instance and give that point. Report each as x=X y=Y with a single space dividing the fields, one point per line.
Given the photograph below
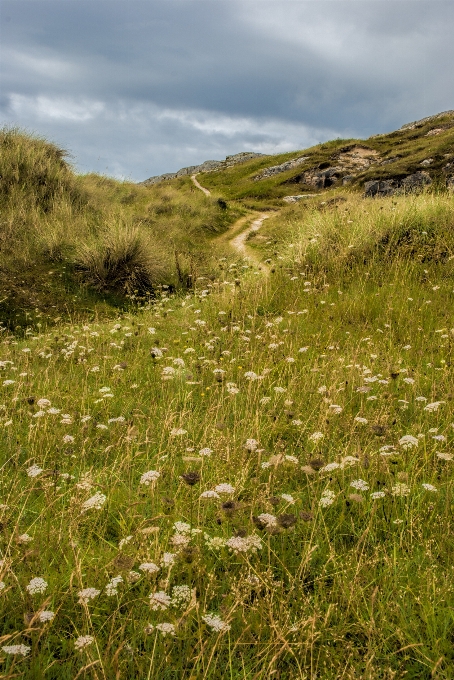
x=252 y=480
x=79 y=244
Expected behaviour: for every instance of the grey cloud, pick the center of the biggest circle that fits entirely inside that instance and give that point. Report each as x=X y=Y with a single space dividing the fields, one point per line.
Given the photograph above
x=300 y=71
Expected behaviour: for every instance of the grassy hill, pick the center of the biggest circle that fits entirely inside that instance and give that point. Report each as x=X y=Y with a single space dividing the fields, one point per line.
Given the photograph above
x=252 y=478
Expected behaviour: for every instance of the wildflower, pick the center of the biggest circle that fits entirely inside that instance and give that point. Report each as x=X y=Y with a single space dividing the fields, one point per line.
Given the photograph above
x=159 y=601
x=265 y=400
x=330 y=467
x=182 y=527
x=34 y=471
x=224 y=488
x=240 y=544
x=408 y=441
x=205 y=452
x=287 y=498
x=232 y=388
x=83 y=641
x=360 y=485
x=216 y=542
x=177 y=431
x=149 y=567
x=434 y=406
x=291 y=459
x=444 y=456
x=439 y=438
x=398 y=521
x=250 y=375
x=43 y=403
x=267 y=520
x=133 y=577
x=400 y=489
x=181 y=596
x=362 y=421
x=327 y=498
x=46 y=616
x=316 y=436
x=168 y=559
x=209 y=494
x=2 y=585
x=149 y=477
x=303 y=349
x=39 y=414
x=37 y=585
x=16 y=649
x=124 y=541
x=95 y=502
x=68 y=439
x=24 y=538
x=111 y=587
x=335 y=408
x=429 y=487
x=166 y=628
x=215 y=623
x=251 y=445
x=377 y=494
x=87 y=594
x=179 y=362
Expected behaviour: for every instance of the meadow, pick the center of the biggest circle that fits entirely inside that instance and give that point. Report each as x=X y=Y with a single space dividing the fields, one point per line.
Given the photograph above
x=249 y=479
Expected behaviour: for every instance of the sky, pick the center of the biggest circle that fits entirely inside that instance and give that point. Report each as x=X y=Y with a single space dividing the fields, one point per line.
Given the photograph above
x=135 y=88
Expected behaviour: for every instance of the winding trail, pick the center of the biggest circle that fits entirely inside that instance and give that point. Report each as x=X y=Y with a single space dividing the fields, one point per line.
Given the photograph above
x=207 y=192
x=241 y=235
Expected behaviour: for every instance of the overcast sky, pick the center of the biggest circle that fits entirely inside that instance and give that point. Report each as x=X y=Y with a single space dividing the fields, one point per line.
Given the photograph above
x=137 y=88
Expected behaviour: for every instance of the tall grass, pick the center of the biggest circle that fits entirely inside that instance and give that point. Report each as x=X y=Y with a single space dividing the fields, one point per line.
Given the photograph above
x=314 y=406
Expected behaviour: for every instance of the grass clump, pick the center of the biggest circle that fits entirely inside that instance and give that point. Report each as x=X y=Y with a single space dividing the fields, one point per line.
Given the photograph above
x=251 y=480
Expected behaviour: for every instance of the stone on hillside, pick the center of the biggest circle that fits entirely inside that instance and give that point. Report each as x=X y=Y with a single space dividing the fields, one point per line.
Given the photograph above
x=347 y=179
x=295 y=199
x=376 y=187
x=427 y=161
x=283 y=167
x=450 y=183
x=416 y=181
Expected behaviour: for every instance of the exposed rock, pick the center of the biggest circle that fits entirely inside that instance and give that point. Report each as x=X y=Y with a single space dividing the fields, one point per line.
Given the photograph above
x=427 y=161
x=423 y=121
x=450 y=183
x=388 y=187
x=295 y=199
x=206 y=166
x=356 y=158
x=387 y=161
x=435 y=131
x=283 y=167
x=347 y=179
x=385 y=187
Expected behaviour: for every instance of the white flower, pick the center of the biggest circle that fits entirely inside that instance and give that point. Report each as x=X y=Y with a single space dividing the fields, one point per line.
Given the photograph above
x=267 y=519
x=2 y=585
x=429 y=487
x=68 y=439
x=39 y=414
x=205 y=452
x=330 y=467
x=181 y=596
x=149 y=477
x=408 y=441
x=182 y=527
x=377 y=494
x=149 y=567
x=37 y=585
x=288 y=498
x=362 y=421
x=360 y=485
x=95 y=502
x=168 y=559
x=215 y=623
x=24 y=538
x=400 y=489
x=83 y=641
x=250 y=375
x=439 y=438
x=34 y=471
x=224 y=488
x=251 y=445
x=5 y=384
x=177 y=431
x=16 y=649
x=444 y=456
x=124 y=541
x=280 y=390
x=166 y=628
x=87 y=594
x=43 y=403
x=434 y=406
x=303 y=349
x=46 y=616
x=216 y=542
x=265 y=400
x=111 y=587
x=152 y=331
x=316 y=436
x=327 y=498
x=209 y=494
x=335 y=408
x=159 y=601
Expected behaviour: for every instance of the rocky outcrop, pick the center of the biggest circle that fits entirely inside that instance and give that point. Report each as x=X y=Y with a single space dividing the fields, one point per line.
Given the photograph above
x=299 y=197
x=387 y=187
x=206 y=166
x=423 y=121
x=283 y=167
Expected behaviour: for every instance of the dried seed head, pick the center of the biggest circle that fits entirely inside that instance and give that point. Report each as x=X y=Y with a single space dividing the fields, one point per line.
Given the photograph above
x=191 y=478
x=286 y=521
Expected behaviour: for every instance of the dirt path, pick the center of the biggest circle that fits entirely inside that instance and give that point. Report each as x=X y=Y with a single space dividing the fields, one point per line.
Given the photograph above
x=238 y=242
x=207 y=192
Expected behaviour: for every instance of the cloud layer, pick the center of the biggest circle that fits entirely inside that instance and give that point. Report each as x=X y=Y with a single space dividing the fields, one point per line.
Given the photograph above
x=134 y=88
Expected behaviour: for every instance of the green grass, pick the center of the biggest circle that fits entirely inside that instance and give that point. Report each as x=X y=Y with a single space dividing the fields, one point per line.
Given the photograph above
x=342 y=350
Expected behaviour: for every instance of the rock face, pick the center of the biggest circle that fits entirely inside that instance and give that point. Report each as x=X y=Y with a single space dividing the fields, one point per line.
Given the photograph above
x=283 y=167
x=299 y=197
x=388 y=187
x=206 y=166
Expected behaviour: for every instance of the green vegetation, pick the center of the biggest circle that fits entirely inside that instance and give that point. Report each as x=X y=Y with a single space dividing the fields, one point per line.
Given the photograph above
x=248 y=473
x=70 y=244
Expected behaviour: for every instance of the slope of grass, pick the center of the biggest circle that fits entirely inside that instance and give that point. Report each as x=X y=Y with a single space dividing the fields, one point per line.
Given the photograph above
x=103 y=239
x=255 y=479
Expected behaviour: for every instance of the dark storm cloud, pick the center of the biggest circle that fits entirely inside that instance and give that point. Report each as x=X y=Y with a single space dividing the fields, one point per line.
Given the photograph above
x=137 y=88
